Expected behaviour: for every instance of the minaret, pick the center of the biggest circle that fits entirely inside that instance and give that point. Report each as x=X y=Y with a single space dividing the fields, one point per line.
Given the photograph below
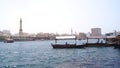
x=20 y=30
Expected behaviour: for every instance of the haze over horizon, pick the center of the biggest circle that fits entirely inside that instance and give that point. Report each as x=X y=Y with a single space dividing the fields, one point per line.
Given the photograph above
x=60 y=15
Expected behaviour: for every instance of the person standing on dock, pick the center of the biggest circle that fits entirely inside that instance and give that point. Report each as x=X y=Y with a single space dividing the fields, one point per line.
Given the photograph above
x=101 y=41
x=98 y=41
x=66 y=43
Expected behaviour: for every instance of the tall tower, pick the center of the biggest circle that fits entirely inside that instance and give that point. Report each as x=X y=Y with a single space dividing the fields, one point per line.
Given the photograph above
x=20 y=30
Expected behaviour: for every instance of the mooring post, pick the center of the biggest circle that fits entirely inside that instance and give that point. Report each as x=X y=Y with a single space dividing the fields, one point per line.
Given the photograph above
x=98 y=41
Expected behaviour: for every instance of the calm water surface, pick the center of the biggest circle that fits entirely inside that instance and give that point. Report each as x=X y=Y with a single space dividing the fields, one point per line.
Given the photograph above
x=40 y=54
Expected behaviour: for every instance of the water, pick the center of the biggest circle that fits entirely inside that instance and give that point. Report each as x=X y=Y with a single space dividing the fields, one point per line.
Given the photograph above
x=40 y=54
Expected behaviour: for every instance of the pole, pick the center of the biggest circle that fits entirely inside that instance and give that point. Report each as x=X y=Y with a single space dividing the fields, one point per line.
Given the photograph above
x=75 y=41
x=87 y=40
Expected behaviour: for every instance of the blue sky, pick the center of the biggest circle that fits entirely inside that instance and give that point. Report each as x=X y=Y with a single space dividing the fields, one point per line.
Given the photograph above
x=60 y=15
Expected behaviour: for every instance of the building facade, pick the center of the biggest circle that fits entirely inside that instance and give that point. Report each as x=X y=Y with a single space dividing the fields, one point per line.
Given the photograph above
x=82 y=36
x=6 y=33
x=96 y=32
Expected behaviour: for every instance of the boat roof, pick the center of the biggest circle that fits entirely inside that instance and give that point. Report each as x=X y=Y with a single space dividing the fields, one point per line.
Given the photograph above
x=65 y=37
x=96 y=37
x=101 y=37
x=111 y=36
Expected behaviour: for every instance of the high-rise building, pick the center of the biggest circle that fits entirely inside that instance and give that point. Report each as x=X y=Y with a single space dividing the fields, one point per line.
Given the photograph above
x=20 y=30
x=96 y=32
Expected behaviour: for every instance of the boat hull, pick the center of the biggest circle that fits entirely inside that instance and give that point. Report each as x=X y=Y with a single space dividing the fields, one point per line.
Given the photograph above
x=117 y=46
x=8 y=41
x=67 y=46
x=83 y=45
x=98 y=45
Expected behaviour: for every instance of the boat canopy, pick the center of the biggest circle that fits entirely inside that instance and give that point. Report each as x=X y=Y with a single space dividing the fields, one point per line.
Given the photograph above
x=96 y=37
x=66 y=37
x=111 y=37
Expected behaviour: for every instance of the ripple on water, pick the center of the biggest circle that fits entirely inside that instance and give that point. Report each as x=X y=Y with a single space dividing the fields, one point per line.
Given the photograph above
x=40 y=54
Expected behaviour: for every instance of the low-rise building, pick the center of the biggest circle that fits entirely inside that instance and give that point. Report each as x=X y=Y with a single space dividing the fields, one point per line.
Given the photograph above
x=6 y=33
x=1 y=33
x=45 y=36
x=82 y=36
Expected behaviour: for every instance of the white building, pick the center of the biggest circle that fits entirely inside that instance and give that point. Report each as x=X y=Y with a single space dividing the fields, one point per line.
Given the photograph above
x=96 y=32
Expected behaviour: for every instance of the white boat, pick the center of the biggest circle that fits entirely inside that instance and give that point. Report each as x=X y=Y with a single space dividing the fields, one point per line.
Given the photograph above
x=8 y=40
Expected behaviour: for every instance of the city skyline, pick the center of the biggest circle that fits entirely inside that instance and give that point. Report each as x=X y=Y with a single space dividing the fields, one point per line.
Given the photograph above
x=60 y=15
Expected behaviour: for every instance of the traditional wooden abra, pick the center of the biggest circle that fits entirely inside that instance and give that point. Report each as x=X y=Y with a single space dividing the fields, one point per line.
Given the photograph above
x=87 y=44
x=117 y=42
x=66 y=44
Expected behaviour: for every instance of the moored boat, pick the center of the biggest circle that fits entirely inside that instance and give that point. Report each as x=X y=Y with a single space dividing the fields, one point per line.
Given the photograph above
x=117 y=42
x=66 y=44
x=117 y=46
x=8 y=40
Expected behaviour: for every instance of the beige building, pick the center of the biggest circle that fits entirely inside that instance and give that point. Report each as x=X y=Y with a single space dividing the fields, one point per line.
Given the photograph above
x=1 y=33
x=6 y=33
x=45 y=35
x=96 y=32
x=82 y=36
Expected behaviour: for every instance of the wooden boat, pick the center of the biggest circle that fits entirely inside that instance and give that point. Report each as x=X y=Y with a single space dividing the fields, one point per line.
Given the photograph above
x=66 y=45
x=117 y=46
x=117 y=42
x=98 y=45
x=9 y=40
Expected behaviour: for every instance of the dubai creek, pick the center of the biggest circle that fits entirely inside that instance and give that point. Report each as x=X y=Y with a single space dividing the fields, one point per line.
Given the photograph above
x=40 y=54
